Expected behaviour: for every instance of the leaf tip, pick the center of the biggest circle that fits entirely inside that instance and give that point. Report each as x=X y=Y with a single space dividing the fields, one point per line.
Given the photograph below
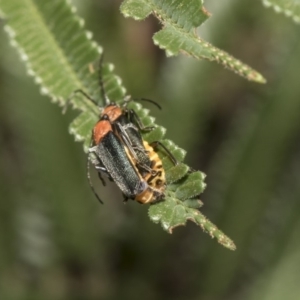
x=206 y=12
x=226 y=242
x=254 y=76
x=138 y=10
x=154 y=218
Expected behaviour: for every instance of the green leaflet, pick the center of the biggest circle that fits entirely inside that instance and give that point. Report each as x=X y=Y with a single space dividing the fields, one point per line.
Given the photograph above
x=189 y=187
x=62 y=57
x=291 y=8
x=180 y=19
x=138 y=9
x=171 y=213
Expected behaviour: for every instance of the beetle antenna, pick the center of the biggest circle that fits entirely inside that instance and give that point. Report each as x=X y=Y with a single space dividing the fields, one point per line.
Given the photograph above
x=88 y=175
x=101 y=84
x=150 y=101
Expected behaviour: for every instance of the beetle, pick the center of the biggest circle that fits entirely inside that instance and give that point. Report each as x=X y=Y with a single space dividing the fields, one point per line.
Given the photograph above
x=113 y=158
x=129 y=127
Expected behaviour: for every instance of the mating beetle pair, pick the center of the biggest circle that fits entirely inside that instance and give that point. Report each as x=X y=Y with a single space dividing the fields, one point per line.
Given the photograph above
x=127 y=160
x=120 y=152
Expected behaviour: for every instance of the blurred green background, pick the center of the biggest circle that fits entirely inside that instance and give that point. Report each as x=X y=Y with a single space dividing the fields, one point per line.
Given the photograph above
x=57 y=242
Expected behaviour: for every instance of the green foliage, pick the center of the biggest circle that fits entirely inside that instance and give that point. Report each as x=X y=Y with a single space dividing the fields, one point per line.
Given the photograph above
x=180 y=20
x=172 y=213
x=61 y=65
x=55 y=241
x=291 y=8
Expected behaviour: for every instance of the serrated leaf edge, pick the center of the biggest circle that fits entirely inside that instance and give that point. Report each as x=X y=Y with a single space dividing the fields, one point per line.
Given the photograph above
x=278 y=9
x=218 y=55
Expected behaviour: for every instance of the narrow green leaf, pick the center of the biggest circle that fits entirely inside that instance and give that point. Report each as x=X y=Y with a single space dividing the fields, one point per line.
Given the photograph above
x=173 y=41
x=291 y=8
x=180 y=20
x=171 y=213
x=213 y=231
